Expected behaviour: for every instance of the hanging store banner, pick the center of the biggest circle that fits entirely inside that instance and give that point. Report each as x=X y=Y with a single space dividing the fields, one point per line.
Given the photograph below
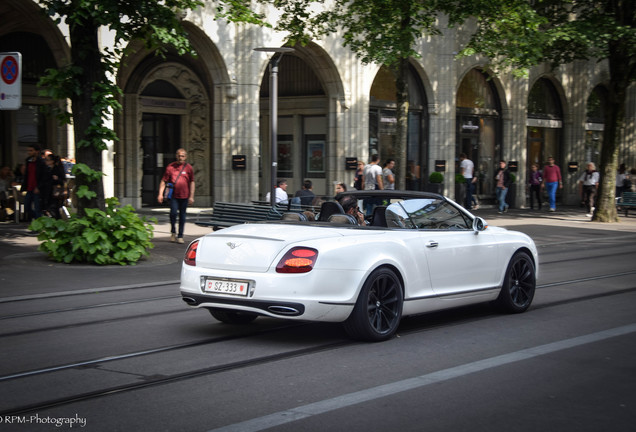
x=10 y=81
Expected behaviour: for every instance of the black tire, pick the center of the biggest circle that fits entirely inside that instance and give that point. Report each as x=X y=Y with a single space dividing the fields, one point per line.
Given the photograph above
x=378 y=310
x=519 y=284
x=231 y=317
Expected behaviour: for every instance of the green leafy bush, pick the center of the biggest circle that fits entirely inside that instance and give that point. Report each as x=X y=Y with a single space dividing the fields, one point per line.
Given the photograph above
x=114 y=236
x=459 y=179
x=436 y=177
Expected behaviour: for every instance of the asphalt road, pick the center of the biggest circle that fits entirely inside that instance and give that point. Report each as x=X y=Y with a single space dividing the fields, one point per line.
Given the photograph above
x=116 y=349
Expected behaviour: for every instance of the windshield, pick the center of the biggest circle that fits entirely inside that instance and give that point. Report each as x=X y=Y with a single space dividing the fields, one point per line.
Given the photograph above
x=426 y=213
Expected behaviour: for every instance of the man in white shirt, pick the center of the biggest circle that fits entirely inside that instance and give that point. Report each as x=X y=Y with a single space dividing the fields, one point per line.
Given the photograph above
x=281 y=191
x=588 y=184
x=372 y=180
x=372 y=174
x=466 y=168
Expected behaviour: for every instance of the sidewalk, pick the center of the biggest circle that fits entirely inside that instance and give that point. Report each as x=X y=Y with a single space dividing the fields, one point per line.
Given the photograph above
x=24 y=271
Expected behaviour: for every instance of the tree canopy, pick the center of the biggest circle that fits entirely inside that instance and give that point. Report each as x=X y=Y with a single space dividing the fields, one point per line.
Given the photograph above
x=87 y=79
x=514 y=35
x=517 y=34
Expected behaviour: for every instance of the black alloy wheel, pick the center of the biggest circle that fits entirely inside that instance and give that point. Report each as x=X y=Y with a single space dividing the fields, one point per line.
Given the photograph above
x=519 y=284
x=378 y=310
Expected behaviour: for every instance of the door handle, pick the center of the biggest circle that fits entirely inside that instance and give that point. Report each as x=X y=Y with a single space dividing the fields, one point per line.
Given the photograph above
x=432 y=244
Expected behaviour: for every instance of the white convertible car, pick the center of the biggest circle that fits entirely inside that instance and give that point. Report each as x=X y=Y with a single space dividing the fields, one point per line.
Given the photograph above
x=417 y=252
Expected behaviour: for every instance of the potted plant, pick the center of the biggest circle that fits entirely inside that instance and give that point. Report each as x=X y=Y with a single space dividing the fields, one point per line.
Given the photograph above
x=435 y=181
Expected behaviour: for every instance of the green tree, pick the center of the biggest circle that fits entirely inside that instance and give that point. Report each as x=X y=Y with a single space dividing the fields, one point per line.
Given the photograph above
x=384 y=32
x=518 y=34
x=102 y=232
x=87 y=80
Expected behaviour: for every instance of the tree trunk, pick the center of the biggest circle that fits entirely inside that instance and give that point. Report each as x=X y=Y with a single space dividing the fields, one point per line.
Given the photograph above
x=85 y=54
x=402 y=118
x=614 y=118
x=622 y=73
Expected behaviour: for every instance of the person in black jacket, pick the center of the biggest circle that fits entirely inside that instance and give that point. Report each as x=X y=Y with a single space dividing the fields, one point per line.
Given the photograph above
x=502 y=182
x=53 y=186
x=33 y=182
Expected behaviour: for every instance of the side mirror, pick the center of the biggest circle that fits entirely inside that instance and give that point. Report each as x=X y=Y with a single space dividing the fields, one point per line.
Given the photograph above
x=479 y=225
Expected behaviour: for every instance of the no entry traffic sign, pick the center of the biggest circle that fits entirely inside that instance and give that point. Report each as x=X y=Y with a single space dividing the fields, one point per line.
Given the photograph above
x=10 y=80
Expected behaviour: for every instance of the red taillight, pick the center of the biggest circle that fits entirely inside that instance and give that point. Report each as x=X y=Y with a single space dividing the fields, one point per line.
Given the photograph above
x=191 y=254
x=297 y=260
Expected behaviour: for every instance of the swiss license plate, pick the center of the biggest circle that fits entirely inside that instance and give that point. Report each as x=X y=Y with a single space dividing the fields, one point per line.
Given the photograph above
x=224 y=286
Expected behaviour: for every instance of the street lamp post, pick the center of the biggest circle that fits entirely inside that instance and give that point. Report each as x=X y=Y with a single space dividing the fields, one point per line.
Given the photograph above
x=273 y=108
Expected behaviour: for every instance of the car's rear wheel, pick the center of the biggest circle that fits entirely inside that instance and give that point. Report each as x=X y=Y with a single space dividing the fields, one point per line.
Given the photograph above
x=378 y=310
x=231 y=317
x=519 y=284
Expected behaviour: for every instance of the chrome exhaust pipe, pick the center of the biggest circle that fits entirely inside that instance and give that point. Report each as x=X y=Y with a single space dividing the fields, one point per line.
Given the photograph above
x=283 y=310
x=189 y=300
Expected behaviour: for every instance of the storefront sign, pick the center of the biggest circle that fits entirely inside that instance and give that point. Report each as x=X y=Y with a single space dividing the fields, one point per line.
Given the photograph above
x=162 y=103
x=470 y=126
x=544 y=123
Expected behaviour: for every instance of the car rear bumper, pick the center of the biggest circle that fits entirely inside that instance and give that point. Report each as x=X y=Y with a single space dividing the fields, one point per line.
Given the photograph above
x=309 y=311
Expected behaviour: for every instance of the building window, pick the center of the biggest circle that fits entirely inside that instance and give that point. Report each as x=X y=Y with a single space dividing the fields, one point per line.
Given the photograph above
x=383 y=123
x=595 y=124
x=545 y=122
x=543 y=101
x=478 y=127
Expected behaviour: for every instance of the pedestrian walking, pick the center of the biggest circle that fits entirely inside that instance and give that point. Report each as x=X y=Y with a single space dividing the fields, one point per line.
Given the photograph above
x=372 y=180
x=552 y=181
x=588 y=186
x=388 y=179
x=358 y=180
x=177 y=186
x=467 y=168
x=502 y=182
x=534 y=185
x=621 y=175
x=33 y=182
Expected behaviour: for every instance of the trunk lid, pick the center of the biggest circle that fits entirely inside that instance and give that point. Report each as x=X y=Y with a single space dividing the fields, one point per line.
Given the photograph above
x=253 y=247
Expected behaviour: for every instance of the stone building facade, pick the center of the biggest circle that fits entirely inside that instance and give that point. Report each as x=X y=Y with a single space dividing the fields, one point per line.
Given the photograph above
x=332 y=110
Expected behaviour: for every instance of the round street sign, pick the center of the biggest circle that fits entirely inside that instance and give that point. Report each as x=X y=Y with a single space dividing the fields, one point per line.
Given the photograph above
x=10 y=80
x=10 y=70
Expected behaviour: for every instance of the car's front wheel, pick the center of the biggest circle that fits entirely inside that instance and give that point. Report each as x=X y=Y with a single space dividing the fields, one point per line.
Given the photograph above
x=519 y=284
x=378 y=310
x=230 y=317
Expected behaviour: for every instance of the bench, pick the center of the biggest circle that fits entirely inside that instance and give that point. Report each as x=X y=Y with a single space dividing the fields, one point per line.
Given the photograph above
x=627 y=200
x=226 y=214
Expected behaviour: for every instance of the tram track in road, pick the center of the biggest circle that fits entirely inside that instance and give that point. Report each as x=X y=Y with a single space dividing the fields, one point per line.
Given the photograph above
x=174 y=378
x=438 y=319
x=89 y=323
x=183 y=310
x=158 y=350
x=81 y=308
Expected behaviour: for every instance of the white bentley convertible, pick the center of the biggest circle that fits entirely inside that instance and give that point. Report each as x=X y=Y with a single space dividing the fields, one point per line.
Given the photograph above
x=416 y=252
